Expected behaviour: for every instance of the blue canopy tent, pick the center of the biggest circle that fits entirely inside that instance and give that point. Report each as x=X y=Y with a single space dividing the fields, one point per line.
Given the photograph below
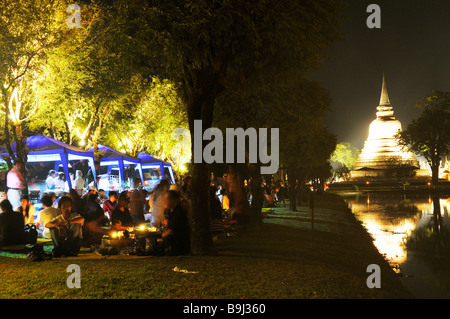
x=149 y=161
x=116 y=159
x=46 y=149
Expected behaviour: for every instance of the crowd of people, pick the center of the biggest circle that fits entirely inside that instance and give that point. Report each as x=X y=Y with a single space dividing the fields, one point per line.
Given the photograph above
x=77 y=217
x=72 y=221
x=56 y=182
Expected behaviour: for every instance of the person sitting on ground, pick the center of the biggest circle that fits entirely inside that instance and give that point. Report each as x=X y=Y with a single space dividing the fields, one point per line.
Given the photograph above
x=56 y=202
x=126 y=194
x=101 y=197
x=78 y=205
x=156 y=202
x=66 y=230
x=121 y=218
x=110 y=204
x=136 y=204
x=47 y=214
x=176 y=236
x=12 y=227
x=184 y=201
x=94 y=219
x=94 y=210
x=26 y=209
x=91 y=190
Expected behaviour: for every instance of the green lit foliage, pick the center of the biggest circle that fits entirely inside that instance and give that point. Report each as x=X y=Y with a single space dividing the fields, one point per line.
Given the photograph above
x=209 y=48
x=29 y=30
x=147 y=119
x=84 y=83
x=345 y=155
x=429 y=135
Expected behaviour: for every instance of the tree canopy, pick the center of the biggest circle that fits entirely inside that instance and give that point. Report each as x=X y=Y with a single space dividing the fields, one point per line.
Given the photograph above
x=143 y=68
x=429 y=135
x=210 y=49
x=29 y=30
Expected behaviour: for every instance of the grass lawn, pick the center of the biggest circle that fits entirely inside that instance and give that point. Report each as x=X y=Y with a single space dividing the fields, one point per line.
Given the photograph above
x=274 y=261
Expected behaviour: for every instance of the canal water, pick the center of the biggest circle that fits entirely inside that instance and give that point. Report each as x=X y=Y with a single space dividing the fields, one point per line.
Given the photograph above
x=413 y=233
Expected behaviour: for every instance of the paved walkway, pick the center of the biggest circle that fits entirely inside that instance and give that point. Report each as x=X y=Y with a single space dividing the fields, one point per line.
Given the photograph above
x=325 y=219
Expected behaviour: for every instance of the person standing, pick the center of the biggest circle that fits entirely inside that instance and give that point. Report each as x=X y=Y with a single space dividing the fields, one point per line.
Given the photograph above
x=50 y=181
x=79 y=182
x=16 y=184
x=281 y=193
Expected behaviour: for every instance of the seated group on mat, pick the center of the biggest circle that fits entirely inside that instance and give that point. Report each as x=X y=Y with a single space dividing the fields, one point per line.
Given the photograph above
x=77 y=222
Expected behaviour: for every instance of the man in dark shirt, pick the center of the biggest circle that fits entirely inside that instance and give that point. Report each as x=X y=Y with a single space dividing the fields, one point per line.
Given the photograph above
x=94 y=219
x=110 y=204
x=176 y=236
x=121 y=218
x=12 y=226
x=66 y=230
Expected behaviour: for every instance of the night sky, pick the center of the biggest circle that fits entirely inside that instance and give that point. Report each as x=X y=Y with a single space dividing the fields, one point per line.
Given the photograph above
x=412 y=48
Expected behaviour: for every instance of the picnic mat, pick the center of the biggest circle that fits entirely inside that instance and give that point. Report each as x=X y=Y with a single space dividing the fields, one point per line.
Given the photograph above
x=21 y=251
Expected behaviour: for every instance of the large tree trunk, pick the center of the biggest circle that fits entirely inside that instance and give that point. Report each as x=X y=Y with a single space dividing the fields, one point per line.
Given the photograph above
x=435 y=172
x=201 y=240
x=200 y=106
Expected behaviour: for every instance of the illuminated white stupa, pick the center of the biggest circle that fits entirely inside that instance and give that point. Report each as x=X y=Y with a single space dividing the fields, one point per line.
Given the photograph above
x=381 y=144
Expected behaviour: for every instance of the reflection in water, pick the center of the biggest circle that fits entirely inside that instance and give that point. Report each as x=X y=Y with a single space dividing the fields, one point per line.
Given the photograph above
x=409 y=231
x=432 y=234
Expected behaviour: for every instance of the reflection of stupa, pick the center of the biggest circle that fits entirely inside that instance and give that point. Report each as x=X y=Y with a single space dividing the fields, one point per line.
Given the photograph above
x=381 y=146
